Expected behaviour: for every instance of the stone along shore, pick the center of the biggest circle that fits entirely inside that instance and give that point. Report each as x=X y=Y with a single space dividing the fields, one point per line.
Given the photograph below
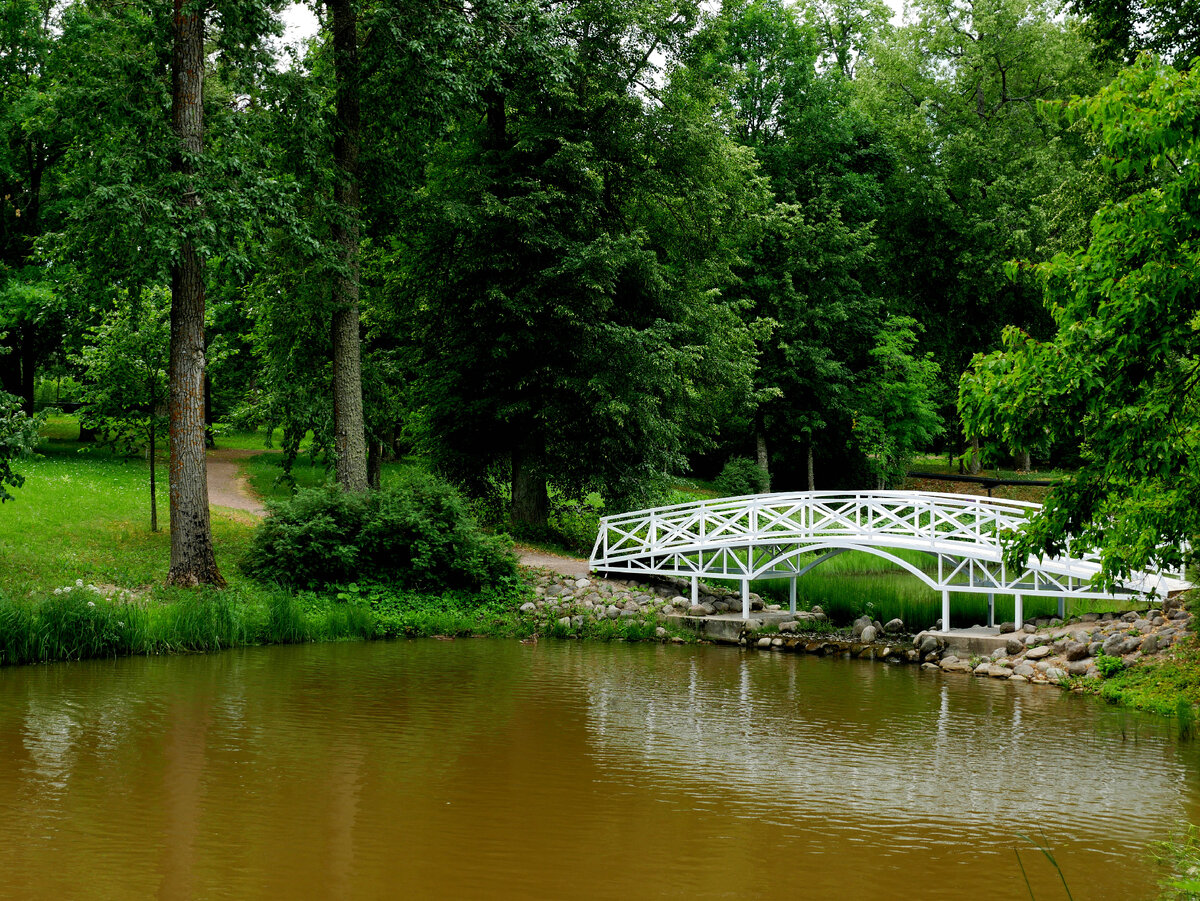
x=1045 y=651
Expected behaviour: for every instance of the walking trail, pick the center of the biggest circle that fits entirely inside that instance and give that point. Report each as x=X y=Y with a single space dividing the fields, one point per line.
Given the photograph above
x=227 y=487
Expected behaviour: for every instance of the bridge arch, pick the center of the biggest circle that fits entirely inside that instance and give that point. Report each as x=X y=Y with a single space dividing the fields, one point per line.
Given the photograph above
x=766 y=536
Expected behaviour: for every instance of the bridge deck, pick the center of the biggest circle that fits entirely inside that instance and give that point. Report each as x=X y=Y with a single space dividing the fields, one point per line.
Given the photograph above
x=785 y=535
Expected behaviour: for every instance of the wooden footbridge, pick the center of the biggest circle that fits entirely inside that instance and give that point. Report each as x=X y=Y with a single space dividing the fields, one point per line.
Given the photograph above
x=772 y=536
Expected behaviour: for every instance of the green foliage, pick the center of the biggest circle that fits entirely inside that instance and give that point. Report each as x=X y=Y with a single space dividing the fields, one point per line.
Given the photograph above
x=1180 y=855
x=18 y=434
x=1121 y=375
x=896 y=402
x=1109 y=666
x=418 y=534
x=740 y=476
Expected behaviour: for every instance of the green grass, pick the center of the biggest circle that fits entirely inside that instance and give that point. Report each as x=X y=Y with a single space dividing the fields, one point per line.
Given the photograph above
x=855 y=583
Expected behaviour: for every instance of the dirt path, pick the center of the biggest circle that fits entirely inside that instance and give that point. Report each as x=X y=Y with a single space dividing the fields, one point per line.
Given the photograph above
x=227 y=487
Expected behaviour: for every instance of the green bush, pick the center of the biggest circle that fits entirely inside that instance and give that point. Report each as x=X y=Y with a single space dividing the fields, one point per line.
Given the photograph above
x=742 y=475
x=418 y=534
x=1109 y=666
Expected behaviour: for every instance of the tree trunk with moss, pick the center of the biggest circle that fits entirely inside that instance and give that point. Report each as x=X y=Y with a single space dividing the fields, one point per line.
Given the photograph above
x=193 y=561
x=349 y=433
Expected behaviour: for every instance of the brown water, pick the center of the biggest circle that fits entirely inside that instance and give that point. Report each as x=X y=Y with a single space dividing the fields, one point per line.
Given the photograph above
x=489 y=769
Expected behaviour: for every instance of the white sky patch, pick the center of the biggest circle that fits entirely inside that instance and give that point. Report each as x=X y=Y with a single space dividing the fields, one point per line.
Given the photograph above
x=299 y=24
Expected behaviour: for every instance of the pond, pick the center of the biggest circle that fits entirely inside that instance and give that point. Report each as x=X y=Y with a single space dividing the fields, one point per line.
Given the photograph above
x=488 y=768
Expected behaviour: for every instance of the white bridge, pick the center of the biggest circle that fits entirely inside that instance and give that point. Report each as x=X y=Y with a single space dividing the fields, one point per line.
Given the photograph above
x=771 y=536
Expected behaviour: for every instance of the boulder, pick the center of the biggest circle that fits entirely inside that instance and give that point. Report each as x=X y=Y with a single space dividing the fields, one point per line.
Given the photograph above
x=1005 y=628
x=1037 y=653
x=998 y=672
x=1149 y=644
x=1014 y=646
x=868 y=634
x=1077 y=650
x=892 y=626
x=859 y=624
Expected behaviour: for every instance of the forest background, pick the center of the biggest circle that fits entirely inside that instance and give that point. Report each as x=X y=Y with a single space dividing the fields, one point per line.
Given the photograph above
x=572 y=249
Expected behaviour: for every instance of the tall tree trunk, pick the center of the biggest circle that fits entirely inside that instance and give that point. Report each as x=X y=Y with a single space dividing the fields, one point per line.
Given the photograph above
x=1024 y=461
x=973 y=456
x=763 y=458
x=28 y=367
x=530 y=499
x=192 y=559
x=210 y=441
x=375 y=465
x=153 y=480
x=349 y=433
x=812 y=482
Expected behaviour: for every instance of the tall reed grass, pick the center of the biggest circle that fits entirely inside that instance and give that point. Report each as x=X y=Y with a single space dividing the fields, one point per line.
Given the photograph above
x=80 y=625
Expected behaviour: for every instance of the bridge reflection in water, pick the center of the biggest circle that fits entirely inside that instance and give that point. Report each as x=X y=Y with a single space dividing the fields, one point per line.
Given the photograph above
x=785 y=535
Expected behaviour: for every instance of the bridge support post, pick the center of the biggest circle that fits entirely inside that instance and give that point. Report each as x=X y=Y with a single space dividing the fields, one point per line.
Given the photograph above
x=745 y=598
x=945 y=611
x=792 y=595
x=1019 y=613
x=991 y=610
x=695 y=591
x=1062 y=609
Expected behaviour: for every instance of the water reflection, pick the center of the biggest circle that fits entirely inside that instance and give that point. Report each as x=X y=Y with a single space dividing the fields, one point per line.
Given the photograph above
x=492 y=769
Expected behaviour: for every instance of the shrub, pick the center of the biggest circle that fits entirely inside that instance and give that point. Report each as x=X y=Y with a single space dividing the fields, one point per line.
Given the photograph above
x=742 y=475
x=418 y=534
x=1109 y=666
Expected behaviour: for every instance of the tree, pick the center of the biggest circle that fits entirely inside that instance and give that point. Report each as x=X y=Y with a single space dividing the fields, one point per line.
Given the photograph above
x=979 y=168
x=1121 y=374
x=124 y=362
x=563 y=270
x=896 y=403
x=18 y=435
x=1122 y=29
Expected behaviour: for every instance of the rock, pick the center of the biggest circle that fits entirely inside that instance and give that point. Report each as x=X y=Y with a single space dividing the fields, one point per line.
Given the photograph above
x=660 y=632
x=775 y=607
x=1079 y=667
x=817 y=610
x=631 y=606
x=764 y=642
x=1037 y=653
x=1054 y=674
x=1077 y=650
x=1005 y=628
x=1095 y=649
x=859 y=624
x=955 y=665
x=982 y=669
x=997 y=654
x=698 y=610
x=1024 y=670
x=789 y=627
x=1015 y=678
x=1089 y=617
x=576 y=622
x=708 y=609
x=1014 y=646
x=1082 y=637
x=1112 y=644
x=892 y=626
x=998 y=672
x=1130 y=617
x=928 y=644
x=528 y=608
x=1029 y=628
x=565 y=622
x=868 y=634
x=612 y=611
x=582 y=583
x=1149 y=644
x=929 y=667
x=776 y=643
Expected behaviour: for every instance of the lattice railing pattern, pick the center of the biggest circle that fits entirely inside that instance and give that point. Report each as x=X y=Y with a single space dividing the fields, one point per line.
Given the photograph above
x=776 y=535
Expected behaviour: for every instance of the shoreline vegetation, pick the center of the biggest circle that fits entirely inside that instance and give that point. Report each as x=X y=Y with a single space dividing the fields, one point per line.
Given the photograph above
x=83 y=580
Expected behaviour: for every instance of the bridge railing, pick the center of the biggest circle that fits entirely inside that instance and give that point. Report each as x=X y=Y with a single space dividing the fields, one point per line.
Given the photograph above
x=778 y=518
